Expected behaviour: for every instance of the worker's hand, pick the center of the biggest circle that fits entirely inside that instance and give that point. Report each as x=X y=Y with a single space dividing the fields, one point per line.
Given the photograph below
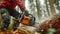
x=26 y=13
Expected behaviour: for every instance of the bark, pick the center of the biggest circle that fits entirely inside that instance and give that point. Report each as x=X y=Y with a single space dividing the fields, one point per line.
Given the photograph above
x=47 y=7
x=52 y=7
x=38 y=8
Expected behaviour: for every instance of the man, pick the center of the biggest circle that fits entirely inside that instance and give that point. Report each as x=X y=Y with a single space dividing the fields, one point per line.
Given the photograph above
x=10 y=6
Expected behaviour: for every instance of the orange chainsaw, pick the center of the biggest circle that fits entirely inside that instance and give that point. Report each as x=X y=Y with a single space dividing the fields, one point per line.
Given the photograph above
x=27 y=20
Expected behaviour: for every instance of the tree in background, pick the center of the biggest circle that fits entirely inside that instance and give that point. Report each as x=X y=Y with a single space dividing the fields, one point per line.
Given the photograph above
x=51 y=2
x=47 y=9
x=57 y=2
x=38 y=8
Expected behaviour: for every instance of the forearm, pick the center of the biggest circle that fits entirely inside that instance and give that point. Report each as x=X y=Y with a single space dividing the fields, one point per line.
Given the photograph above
x=22 y=8
x=21 y=5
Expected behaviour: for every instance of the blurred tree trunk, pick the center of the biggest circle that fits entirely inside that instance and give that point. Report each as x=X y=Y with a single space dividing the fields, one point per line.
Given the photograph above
x=47 y=7
x=38 y=8
x=57 y=4
x=52 y=7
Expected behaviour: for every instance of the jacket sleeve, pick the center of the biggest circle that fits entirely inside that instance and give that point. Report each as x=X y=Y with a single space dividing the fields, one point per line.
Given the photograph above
x=3 y=3
x=21 y=5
